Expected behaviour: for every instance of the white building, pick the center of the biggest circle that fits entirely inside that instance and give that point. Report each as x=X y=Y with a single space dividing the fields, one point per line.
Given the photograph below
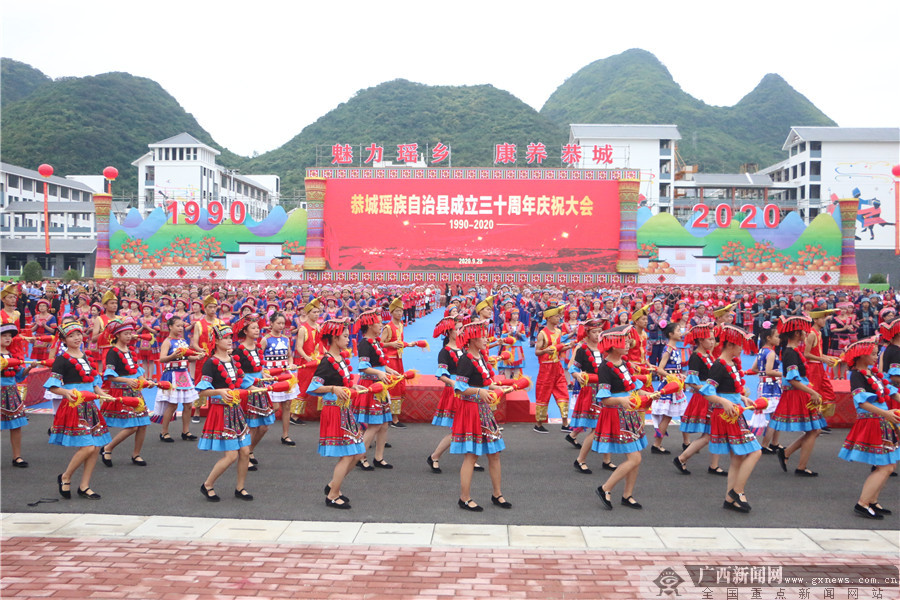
x=182 y=168
x=842 y=162
x=650 y=148
x=72 y=231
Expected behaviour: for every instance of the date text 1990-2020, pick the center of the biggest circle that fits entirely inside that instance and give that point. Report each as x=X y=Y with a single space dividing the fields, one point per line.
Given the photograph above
x=471 y=224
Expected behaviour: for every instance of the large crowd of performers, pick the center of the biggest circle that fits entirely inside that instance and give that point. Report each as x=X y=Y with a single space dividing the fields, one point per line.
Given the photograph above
x=236 y=356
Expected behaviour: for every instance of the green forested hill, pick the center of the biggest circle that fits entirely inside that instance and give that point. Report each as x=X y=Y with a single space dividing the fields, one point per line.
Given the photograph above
x=82 y=124
x=469 y=119
x=635 y=87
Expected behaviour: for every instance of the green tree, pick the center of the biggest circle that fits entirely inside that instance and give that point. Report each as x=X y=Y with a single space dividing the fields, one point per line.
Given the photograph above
x=71 y=275
x=32 y=271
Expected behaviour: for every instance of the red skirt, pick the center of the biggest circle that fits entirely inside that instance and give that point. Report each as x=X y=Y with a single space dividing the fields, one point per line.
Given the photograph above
x=619 y=430
x=368 y=408
x=793 y=415
x=871 y=440
x=338 y=428
x=446 y=408
x=40 y=352
x=304 y=377
x=585 y=413
x=696 y=415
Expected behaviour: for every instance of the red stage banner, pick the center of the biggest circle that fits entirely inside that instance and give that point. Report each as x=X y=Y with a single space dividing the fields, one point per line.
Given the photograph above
x=471 y=224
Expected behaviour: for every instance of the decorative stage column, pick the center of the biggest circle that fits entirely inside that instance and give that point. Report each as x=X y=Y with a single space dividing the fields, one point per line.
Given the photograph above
x=315 y=224
x=849 y=277
x=629 y=191
x=102 y=206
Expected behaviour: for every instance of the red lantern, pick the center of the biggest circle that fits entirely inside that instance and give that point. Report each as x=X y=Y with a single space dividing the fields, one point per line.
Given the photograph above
x=110 y=173
x=896 y=170
x=45 y=170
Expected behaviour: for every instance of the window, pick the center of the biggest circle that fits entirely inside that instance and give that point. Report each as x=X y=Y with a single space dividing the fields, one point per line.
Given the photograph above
x=54 y=191
x=13 y=181
x=815 y=191
x=26 y=184
x=802 y=147
x=802 y=169
x=64 y=192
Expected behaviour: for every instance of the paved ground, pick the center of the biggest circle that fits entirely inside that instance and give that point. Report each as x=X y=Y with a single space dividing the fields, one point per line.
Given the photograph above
x=538 y=477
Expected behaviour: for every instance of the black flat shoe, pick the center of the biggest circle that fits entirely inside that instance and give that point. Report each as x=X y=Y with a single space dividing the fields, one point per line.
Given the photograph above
x=735 y=497
x=717 y=471
x=566 y=428
x=767 y=450
x=604 y=497
x=106 y=461
x=139 y=461
x=608 y=466
x=572 y=441
x=342 y=497
x=782 y=459
x=867 y=512
x=253 y=468
x=431 y=462
x=20 y=463
x=88 y=493
x=337 y=503
x=735 y=507
x=630 y=502
x=682 y=468
x=167 y=438
x=497 y=502
x=209 y=493
x=362 y=464
x=243 y=494
x=684 y=447
x=478 y=468
x=296 y=421
x=188 y=437
x=471 y=507
x=288 y=441
x=581 y=467
x=382 y=464
x=880 y=510
x=805 y=473
x=655 y=450
x=253 y=460
x=67 y=494
x=388 y=445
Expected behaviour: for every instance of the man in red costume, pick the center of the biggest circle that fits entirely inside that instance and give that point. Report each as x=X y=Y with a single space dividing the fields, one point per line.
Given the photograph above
x=306 y=352
x=100 y=336
x=551 y=379
x=393 y=342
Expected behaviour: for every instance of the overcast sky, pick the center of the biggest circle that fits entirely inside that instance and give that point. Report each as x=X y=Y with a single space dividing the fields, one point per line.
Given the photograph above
x=254 y=73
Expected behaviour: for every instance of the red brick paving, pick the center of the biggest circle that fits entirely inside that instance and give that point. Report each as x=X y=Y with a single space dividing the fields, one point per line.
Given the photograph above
x=177 y=570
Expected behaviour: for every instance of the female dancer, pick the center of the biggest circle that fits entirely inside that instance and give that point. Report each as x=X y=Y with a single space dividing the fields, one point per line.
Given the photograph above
x=890 y=358
x=257 y=408
x=44 y=324
x=225 y=429
x=817 y=359
x=175 y=370
x=77 y=423
x=671 y=405
x=339 y=434
x=147 y=349
x=12 y=405
x=120 y=375
x=448 y=358
x=873 y=438
x=698 y=412
x=513 y=327
x=792 y=413
x=475 y=432
x=373 y=411
x=729 y=433
x=584 y=367
x=276 y=349
x=768 y=365
x=620 y=428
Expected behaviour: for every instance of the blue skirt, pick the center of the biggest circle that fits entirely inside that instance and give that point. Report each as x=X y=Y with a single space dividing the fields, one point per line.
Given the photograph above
x=14 y=423
x=267 y=420
x=223 y=445
x=341 y=451
x=124 y=423
x=442 y=421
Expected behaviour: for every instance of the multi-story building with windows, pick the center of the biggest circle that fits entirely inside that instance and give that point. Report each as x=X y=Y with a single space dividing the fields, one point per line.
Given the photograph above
x=183 y=169
x=650 y=148
x=73 y=237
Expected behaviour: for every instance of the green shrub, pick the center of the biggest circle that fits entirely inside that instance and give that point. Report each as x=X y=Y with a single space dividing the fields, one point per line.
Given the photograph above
x=31 y=272
x=877 y=278
x=71 y=275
